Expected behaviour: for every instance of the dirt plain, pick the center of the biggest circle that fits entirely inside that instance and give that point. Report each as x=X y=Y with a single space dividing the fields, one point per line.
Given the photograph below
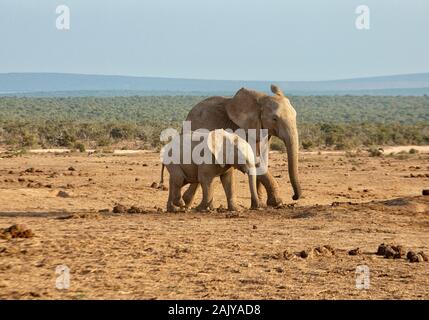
x=349 y=202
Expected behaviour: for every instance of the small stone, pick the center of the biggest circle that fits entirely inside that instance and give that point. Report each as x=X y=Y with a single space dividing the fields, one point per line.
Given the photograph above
x=354 y=252
x=71 y=169
x=16 y=231
x=424 y=256
x=389 y=253
x=413 y=257
x=330 y=248
x=304 y=254
x=288 y=255
x=119 y=208
x=417 y=257
x=135 y=209
x=154 y=185
x=381 y=251
x=63 y=194
x=400 y=251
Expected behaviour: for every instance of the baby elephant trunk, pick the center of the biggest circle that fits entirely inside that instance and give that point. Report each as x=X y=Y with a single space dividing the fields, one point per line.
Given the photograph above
x=253 y=188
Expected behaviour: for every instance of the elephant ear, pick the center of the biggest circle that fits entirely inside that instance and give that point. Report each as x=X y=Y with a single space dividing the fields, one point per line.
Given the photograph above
x=244 y=110
x=276 y=90
x=215 y=143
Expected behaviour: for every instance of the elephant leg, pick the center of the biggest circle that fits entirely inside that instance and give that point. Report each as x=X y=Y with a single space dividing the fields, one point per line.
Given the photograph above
x=229 y=188
x=207 y=201
x=260 y=189
x=174 y=194
x=272 y=188
x=189 y=194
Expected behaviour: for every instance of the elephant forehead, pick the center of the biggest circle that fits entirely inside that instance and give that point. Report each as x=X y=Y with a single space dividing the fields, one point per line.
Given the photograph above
x=286 y=106
x=283 y=109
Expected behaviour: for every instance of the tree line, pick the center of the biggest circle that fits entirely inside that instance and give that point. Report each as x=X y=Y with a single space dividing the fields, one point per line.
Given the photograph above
x=338 y=122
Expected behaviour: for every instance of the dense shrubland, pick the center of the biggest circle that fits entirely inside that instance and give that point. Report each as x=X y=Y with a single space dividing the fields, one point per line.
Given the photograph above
x=337 y=122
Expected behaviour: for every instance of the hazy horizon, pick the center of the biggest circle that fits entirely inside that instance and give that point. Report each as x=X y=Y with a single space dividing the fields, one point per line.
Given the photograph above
x=251 y=40
x=211 y=79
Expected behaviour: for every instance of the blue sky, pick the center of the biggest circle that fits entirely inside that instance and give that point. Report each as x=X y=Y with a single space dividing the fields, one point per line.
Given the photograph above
x=216 y=39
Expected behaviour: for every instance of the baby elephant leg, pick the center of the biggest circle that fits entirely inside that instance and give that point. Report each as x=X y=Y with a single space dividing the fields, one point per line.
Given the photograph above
x=189 y=194
x=207 y=186
x=229 y=188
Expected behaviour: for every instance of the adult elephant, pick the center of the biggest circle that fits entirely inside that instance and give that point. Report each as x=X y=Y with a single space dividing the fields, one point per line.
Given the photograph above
x=250 y=109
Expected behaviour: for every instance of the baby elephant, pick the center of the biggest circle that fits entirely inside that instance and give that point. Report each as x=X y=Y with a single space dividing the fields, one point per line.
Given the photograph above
x=201 y=161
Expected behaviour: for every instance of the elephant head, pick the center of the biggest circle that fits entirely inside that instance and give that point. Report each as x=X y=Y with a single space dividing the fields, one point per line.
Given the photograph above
x=254 y=110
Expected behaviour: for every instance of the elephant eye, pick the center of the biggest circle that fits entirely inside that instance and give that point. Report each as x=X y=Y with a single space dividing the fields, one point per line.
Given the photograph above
x=274 y=118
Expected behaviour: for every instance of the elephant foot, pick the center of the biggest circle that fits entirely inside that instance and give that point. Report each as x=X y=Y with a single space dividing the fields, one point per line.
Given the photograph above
x=274 y=202
x=254 y=205
x=180 y=203
x=233 y=207
x=204 y=208
x=173 y=208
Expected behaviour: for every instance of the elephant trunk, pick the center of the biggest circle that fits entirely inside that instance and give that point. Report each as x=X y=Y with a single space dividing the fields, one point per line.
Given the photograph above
x=253 y=188
x=292 y=148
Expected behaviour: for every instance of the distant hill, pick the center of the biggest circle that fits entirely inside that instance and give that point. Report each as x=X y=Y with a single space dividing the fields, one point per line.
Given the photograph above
x=59 y=84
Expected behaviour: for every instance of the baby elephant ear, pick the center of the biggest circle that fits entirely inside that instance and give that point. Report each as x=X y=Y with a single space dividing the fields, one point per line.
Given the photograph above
x=215 y=143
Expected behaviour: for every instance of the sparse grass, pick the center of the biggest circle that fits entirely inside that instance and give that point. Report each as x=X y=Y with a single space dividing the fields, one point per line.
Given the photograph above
x=402 y=155
x=375 y=152
x=277 y=145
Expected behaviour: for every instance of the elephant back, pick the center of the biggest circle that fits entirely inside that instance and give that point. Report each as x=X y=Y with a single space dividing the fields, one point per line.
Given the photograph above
x=211 y=114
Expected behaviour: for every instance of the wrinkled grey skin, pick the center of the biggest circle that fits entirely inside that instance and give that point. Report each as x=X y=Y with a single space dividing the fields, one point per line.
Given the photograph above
x=204 y=174
x=253 y=110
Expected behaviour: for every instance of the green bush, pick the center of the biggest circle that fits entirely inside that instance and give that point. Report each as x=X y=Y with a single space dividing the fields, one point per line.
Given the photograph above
x=80 y=146
x=103 y=142
x=308 y=144
x=375 y=152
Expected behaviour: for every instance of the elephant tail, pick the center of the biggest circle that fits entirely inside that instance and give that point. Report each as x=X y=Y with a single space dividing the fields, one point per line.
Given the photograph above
x=161 y=182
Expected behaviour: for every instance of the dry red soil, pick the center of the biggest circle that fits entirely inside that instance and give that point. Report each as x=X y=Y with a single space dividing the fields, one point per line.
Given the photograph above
x=348 y=202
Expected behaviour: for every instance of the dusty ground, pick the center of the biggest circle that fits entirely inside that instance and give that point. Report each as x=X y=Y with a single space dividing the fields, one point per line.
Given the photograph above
x=157 y=255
